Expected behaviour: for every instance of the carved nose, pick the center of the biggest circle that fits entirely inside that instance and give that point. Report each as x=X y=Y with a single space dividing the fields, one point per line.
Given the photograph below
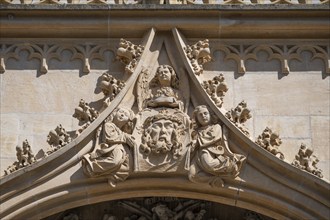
x=162 y=130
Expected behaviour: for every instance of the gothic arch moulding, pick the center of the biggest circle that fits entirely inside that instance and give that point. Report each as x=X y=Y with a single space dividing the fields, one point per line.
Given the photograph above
x=163 y=132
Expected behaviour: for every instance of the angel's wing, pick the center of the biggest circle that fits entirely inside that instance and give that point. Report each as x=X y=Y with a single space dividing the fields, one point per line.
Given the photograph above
x=185 y=89
x=142 y=89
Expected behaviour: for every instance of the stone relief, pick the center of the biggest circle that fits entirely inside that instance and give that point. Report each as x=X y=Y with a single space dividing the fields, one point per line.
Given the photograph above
x=164 y=141
x=305 y=160
x=249 y=215
x=212 y=159
x=71 y=216
x=129 y=54
x=164 y=89
x=270 y=141
x=85 y=114
x=161 y=137
x=25 y=157
x=198 y=54
x=216 y=89
x=57 y=139
x=111 y=158
x=161 y=210
x=110 y=87
x=239 y=116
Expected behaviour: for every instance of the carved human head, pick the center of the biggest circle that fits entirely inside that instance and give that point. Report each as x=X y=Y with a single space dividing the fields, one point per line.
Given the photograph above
x=123 y=118
x=161 y=134
x=202 y=116
x=166 y=75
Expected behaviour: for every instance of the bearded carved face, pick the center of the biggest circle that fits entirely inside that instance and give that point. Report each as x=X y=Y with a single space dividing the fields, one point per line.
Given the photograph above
x=160 y=137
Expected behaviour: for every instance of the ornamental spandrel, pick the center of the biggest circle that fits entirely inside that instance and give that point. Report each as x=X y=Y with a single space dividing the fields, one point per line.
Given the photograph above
x=161 y=125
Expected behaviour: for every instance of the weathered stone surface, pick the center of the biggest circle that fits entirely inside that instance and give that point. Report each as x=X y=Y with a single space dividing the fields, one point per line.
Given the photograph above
x=288 y=126
x=320 y=131
x=157 y=143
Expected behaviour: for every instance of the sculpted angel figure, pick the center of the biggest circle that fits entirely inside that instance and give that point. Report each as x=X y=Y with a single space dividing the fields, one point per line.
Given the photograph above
x=111 y=157
x=164 y=89
x=212 y=158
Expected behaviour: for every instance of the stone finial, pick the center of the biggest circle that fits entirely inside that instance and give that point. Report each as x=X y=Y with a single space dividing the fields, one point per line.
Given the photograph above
x=305 y=160
x=270 y=141
x=24 y=156
x=216 y=89
x=129 y=54
x=57 y=138
x=198 y=54
x=239 y=116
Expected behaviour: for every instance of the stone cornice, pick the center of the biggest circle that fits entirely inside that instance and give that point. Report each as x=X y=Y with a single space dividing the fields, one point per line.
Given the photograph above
x=211 y=21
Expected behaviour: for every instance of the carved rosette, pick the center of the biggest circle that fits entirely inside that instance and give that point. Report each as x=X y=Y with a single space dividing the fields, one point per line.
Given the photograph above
x=270 y=141
x=25 y=157
x=198 y=54
x=305 y=160
x=239 y=116
x=216 y=89
x=129 y=54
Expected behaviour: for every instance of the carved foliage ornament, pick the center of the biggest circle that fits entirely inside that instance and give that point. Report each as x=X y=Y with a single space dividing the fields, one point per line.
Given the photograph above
x=239 y=116
x=85 y=114
x=216 y=89
x=169 y=137
x=110 y=87
x=270 y=141
x=305 y=160
x=198 y=54
x=57 y=139
x=24 y=156
x=129 y=54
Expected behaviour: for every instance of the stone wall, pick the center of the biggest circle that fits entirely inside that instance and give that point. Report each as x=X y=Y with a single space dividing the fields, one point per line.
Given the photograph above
x=296 y=104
